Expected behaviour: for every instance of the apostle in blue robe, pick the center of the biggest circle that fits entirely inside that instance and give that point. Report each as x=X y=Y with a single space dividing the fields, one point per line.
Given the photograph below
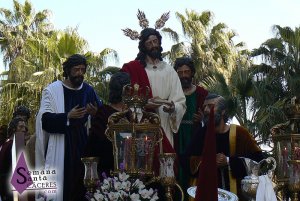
x=62 y=129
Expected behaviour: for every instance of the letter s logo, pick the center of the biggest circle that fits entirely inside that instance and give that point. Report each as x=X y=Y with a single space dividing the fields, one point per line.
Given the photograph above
x=22 y=175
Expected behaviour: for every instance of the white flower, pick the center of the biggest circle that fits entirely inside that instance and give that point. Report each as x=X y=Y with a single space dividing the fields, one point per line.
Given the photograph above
x=106 y=184
x=123 y=176
x=117 y=186
x=123 y=194
x=126 y=185
x=135 y=197
x=150 y=191
x=139 y=184
x=145 y=193
x=121 y=188
x=98 y=196
x=154 y=197
x=113 y=195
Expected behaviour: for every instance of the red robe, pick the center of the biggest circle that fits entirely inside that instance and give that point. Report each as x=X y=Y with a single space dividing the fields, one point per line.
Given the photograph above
x=139 y=76
x=5 y=169
x=246 y=146
x=201 y=94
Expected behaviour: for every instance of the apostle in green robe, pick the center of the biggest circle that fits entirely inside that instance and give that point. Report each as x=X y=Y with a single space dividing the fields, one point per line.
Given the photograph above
x=195 y=96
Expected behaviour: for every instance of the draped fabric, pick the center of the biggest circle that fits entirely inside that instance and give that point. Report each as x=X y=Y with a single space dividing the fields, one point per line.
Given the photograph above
x=194 y=102
x=201 y=94
x=246 y=146
x=164 y=83
x=50 y=148
x=207 y=187
x=137 y=74
x=186 y=127
x=183 y=137
x=74 y=135
x=265 y=190
x=6 y=170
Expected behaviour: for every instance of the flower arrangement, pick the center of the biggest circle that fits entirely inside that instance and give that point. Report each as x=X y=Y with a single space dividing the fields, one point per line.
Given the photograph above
x=122 y=188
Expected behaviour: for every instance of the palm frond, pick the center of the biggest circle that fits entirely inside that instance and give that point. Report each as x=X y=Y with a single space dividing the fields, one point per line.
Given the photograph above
x=171 y=34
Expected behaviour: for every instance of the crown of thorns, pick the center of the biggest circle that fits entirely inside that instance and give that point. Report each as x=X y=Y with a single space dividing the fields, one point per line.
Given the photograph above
x=144 y=23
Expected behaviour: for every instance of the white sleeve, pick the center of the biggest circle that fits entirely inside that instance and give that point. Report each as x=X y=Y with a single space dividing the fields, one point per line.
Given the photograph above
x=178 y=97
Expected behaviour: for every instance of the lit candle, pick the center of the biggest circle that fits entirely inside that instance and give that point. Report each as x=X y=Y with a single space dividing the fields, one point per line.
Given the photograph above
x=284 y=154
x=146 y=153
x=127 y=148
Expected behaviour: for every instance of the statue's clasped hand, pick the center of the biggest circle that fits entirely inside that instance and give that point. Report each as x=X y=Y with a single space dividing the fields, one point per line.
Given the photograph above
x=198 y=116
x=77 y=112
x=91 y=108
x=169 y=107
x=221 y=160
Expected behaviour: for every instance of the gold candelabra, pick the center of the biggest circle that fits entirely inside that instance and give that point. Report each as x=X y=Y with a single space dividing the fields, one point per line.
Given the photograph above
x=294 y=180
x=134 y=134
x=286 y=138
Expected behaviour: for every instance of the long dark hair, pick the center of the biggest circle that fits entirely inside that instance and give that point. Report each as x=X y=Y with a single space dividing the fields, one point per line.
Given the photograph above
x=145 y=33
x=74 y=60
x=12 y=126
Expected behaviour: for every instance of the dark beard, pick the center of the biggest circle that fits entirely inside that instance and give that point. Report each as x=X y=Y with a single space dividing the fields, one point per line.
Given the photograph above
x=76 y=80
x=186 y=82
x=154 y=53
x=218 y=118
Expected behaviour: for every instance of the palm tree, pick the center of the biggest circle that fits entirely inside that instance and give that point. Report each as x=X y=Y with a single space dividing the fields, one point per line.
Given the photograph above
x=102 y=85
x=237 y=88
x=18 y=26
x=225 y=68
x=38 y=62
x=279 y=75
x=98 y=75
x=222 y=66
x=210 y=46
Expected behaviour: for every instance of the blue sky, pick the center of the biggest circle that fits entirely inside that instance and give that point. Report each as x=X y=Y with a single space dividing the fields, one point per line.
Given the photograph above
x=100 y=22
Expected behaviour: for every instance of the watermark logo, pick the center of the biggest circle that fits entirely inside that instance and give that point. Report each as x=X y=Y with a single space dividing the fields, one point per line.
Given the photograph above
x=20 y=179
x=43 y=181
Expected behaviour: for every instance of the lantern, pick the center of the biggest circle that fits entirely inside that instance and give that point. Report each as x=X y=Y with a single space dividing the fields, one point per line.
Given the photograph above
x=286 y=138
x=134 y=134
x=90 y=176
